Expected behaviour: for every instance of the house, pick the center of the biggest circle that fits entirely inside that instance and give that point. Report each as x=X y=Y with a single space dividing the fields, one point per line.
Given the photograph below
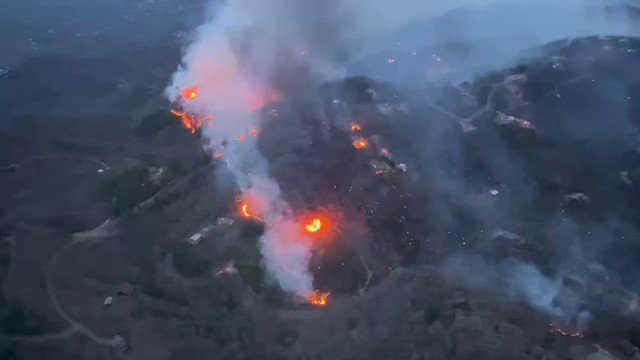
x=195 y=238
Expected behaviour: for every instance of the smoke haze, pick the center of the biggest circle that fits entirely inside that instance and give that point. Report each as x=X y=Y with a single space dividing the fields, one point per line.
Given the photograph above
x=253 y=53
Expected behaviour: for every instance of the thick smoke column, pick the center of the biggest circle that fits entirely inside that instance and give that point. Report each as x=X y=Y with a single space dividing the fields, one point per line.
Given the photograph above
x=256 y=52
x=253 y=53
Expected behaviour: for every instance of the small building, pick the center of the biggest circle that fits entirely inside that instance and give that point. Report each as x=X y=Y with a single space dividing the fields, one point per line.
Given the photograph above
x=195 y=238
x=578 y=197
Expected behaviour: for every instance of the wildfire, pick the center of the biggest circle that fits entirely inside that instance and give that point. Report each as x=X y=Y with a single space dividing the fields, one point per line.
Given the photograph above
x=190 y=93
x=360 y=143
x=319 y=225
x=240 y=137
x=254 y=131
x=249 y=211
x=245 y=210
x=314 y=226
x=318 y=298
x=191 y=121
x=355 y=127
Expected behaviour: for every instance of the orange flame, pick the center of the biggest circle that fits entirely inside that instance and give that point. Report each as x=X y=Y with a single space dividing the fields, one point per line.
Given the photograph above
x=314 y=226
x=190 y=93
x=240 y=137
x=253 y=204
x=254 y=131
x=360 y=143
x=318 y=225
x=318 y=298
x=191 y=121
x=245 y=210
x=355 y=127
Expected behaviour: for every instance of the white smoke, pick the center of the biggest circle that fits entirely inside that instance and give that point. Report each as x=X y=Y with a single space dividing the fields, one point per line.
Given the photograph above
x=524 y=282
x=541 y=292
x=254 y=52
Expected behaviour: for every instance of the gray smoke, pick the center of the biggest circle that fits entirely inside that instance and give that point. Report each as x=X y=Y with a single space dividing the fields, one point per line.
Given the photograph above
x=252 y=53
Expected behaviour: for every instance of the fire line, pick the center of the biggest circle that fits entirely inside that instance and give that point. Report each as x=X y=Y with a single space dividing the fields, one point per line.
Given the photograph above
x=318 y=298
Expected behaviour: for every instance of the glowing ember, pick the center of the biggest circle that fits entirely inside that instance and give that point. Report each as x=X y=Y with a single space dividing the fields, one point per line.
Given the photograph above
x=190 y=93
x=254 y=131
x=558 y=330
x=227 y=269
x=526 y=124
x=318 y=298
x=240 y=137
x=385 y=152
x=314 y=226
x=191 y=121
x=360 y=143
x=355 y=127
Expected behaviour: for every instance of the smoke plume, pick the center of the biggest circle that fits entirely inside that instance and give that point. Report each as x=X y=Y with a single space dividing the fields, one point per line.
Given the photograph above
x=253 y=53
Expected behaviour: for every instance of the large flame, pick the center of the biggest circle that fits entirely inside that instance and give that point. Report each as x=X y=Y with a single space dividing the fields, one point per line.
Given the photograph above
x=318 y=298
x=317 y=225
x=245 y=210
x=314 y=226
x=191 y=121
x=360 y=143
x=253 y=204
x=190 y=93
